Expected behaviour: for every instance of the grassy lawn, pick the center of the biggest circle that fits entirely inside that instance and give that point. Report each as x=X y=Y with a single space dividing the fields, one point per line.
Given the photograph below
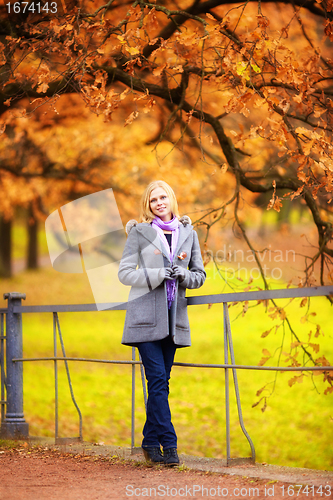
x=296 y=429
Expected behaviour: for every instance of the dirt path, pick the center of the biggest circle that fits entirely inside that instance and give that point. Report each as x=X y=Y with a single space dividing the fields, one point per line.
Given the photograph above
x=43 y=474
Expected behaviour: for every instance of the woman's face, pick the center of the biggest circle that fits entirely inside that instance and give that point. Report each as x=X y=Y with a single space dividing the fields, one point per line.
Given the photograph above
x=160 y=204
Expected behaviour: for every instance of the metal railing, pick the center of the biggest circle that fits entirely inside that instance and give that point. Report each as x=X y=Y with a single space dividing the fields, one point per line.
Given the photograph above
x=13 y=424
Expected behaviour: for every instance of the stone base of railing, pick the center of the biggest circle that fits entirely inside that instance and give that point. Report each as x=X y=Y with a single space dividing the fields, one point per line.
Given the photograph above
x=14 y=430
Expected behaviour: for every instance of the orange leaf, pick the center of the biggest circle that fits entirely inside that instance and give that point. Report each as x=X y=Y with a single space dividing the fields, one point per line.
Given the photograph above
x=292 y=381
x=157 y=71
x=42 y=87
x=277 y=204
x=267 y=332
x=262 y=361
x=131 y=118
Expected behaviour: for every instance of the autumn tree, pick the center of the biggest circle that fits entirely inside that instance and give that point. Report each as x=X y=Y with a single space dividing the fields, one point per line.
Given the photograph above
x=44 y=163
x=265 y=72
x=248 y=86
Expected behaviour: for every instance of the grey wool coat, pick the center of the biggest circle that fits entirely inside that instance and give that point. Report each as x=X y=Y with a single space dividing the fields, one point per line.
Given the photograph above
x=142 y=267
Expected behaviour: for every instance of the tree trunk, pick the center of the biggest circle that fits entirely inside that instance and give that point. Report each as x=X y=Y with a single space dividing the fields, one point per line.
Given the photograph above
x=32 y=250
x=5 y=248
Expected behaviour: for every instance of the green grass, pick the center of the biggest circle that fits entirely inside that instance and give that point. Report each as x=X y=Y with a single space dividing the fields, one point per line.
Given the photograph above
x=295 y=430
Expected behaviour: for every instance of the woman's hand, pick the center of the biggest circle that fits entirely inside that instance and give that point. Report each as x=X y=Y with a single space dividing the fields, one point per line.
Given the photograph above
x=178 y=272
x=168 y=273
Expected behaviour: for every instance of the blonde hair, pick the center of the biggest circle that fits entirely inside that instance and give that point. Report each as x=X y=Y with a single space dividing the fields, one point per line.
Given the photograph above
x=146 y=214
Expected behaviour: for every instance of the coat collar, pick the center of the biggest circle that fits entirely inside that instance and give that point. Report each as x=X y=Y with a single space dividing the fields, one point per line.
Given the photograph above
x=151 y=235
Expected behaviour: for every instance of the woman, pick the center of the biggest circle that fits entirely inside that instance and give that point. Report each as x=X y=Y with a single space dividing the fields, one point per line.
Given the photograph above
x=161 y=259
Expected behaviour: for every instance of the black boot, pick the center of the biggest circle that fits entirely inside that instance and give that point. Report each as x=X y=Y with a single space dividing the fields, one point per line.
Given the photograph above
x=170 y=456
x=153 y=455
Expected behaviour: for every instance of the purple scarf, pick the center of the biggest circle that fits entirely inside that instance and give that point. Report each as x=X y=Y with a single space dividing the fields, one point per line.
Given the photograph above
x=171 y=225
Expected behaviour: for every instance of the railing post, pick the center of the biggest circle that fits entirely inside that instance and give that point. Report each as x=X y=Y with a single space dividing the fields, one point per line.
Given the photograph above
x=14 y=425
x=2 y=368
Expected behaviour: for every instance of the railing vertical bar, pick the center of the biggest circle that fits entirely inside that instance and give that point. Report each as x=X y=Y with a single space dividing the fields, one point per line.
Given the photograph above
x=133 y=401
x=69 y=377
x=226 y=370
x=56 y=410
x=234 y=372
x=2 y=364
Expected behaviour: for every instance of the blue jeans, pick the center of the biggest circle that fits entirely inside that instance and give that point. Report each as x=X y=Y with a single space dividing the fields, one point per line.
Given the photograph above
x=157 y=358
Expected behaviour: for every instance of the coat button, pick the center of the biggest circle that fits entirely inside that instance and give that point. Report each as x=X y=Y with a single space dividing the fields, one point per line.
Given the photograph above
x=157 y=252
